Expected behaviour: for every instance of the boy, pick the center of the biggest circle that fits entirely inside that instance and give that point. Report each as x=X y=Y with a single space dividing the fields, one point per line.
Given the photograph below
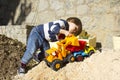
x=41 y=35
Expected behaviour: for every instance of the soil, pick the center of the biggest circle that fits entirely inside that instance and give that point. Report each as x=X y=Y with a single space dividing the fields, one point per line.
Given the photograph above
x=11 y=52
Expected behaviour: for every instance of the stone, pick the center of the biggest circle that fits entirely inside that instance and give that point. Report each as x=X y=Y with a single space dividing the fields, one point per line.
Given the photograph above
x=82 y=10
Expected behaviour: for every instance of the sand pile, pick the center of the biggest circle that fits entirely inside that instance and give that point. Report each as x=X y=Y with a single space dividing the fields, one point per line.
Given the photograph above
x=99 y=66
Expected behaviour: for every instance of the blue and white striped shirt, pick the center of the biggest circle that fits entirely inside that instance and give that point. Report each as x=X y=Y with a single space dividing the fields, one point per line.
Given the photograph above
x=50 y=30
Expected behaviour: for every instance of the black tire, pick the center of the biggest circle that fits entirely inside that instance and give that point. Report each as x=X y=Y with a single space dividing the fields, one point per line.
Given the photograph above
x=91 y=52
x=47 y=63
x=71 y=58
x=79 y=58
x=56 y=64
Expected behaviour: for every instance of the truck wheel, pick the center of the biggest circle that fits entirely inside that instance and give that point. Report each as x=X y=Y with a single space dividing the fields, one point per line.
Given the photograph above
x=91 y=52
x=79 y=58
x=47 y=63
x=71 y=58
x=56 y=65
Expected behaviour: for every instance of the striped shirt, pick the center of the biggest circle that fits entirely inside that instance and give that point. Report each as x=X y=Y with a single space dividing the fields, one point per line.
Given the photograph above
x=50 y=30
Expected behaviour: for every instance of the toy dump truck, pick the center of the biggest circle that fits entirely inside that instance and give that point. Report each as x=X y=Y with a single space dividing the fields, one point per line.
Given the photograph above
x=67 y=51
x=82 y=51
x=86 y=52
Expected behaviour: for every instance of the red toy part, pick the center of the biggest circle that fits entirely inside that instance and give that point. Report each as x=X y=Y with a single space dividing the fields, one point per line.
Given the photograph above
x=61 y=36
x=77 y=48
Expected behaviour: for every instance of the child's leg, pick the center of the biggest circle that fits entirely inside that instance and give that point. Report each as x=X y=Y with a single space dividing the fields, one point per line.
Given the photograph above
x=34 y=41
x=43 y=48
x=46 y=46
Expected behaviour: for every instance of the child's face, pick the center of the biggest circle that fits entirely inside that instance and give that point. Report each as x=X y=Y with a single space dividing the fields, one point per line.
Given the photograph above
x=73 y=28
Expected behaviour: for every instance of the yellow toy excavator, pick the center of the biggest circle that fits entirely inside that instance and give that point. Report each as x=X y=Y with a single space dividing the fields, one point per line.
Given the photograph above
x=58 y=56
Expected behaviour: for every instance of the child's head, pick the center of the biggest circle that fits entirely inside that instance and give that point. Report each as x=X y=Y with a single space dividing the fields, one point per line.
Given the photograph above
x=75 y=25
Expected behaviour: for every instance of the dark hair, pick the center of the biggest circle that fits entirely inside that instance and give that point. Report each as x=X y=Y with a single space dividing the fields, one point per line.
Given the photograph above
x=76 y=21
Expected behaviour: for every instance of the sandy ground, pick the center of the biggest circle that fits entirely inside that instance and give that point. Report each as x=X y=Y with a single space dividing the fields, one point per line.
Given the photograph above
x=103 y=65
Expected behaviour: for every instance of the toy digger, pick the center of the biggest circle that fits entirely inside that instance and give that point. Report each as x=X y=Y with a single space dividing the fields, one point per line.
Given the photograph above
x=69 y=50
x=58 y=56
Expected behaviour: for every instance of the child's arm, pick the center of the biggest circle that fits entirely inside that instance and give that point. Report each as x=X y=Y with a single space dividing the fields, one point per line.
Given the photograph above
x=62 y=31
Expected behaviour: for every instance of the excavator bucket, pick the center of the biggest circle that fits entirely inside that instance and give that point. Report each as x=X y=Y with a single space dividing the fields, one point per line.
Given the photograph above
x=73 y=40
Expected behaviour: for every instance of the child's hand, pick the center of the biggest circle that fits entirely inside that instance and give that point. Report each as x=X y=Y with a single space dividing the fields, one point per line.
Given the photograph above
x=68 y=34
x=65 y=32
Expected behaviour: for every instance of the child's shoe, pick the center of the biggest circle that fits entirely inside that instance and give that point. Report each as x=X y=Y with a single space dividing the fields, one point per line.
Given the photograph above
x=35 y=57
x=22 y=68
x=39 y=57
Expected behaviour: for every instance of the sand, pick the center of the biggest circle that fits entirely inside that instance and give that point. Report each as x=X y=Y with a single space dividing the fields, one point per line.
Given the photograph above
x=103 y=65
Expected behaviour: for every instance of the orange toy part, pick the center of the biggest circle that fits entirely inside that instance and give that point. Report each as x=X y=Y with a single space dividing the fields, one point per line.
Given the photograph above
x=61 y=52
x=71 y=40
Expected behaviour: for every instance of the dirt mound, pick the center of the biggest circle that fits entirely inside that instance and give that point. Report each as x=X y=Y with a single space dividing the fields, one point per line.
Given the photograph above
x=99 y=66
x=10 y=55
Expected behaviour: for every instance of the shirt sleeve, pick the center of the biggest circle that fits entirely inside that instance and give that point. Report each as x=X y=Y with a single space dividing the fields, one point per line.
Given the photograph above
x=60 y=24
x=55 y=28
